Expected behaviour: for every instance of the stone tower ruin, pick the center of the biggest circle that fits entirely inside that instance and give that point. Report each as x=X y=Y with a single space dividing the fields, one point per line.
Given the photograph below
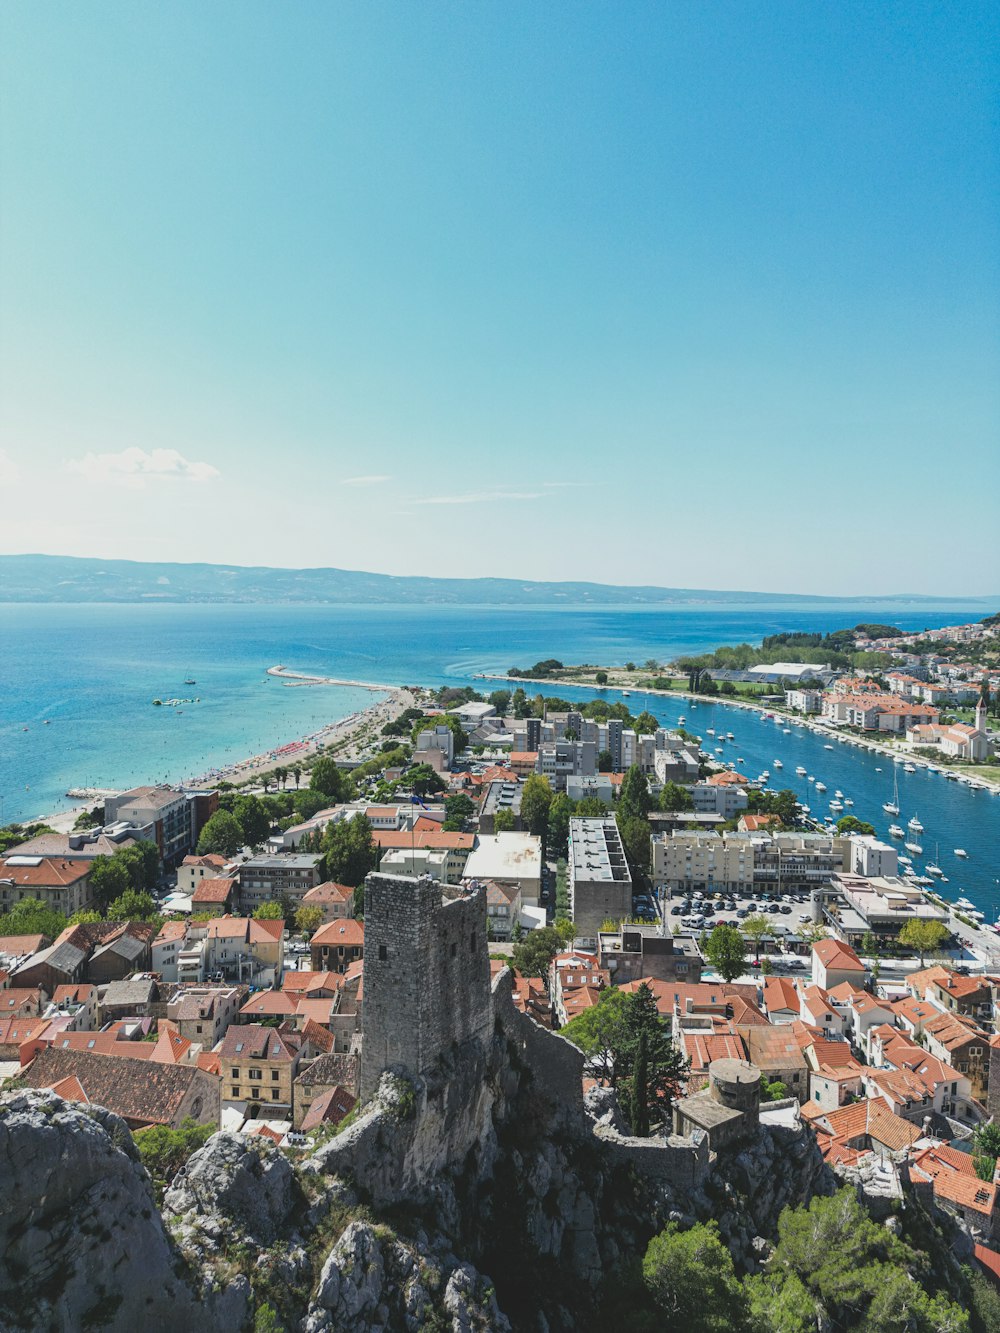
x=426 y=974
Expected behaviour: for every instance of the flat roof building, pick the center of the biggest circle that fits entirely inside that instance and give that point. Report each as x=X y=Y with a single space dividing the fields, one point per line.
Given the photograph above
x=600 y=882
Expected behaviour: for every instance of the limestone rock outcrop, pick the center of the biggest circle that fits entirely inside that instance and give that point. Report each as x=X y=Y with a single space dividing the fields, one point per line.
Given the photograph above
x=82 y=1244
x=373 y=1281
x=232 y=1186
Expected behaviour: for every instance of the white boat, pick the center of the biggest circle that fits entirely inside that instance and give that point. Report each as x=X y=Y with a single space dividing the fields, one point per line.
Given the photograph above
x=960 y=851
x=778 y=764
x=740 y=760
x=710 y=731
x=730 y=736
x=786 y=731
x=908 y=768
x=836 y=806
x=827 y=747
x=895 y=831
x=905 y=861
x=915 y=848
x=934 y=869
x=915 y=825
x=892 y=807
x=839 y=794
x=681 y=720
x=848 y=801
x=965 y=904
x=801 y=771
x=821 y=786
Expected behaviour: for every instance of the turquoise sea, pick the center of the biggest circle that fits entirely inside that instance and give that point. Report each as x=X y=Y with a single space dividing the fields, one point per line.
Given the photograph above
x=91 y=673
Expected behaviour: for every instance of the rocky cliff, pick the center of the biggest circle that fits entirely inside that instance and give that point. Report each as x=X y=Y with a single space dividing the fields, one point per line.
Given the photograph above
x=494 y=1165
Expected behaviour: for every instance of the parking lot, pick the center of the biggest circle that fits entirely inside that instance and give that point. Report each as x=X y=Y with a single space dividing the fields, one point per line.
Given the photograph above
x=701 y=911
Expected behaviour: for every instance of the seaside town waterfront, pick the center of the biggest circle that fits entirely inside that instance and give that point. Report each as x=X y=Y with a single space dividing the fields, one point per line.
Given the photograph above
x=638 y=847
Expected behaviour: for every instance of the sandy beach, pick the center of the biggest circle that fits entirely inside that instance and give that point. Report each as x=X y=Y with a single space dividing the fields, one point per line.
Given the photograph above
x=349 y=736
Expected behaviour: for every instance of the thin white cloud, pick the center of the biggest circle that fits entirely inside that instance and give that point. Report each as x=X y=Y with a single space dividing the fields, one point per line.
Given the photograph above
x=134 y=466
x=565 y=485
x=375 y=480
x=478 y=497
x=9 y=470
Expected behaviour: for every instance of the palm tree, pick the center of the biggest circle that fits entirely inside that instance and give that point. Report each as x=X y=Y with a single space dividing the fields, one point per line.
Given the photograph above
x=298 y=773
x=280 y=775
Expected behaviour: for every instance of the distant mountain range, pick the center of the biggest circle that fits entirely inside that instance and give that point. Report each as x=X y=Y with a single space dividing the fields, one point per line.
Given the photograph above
x=57 y=578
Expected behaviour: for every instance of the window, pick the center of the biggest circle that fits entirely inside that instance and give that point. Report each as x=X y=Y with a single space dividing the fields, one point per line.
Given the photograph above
x=274 y=1075
x=383 y=953
x=256 y=1074
x=275 y=1094
x=236 y=1089
x=256 y=1092
x=454 y=950
x=236 y=1072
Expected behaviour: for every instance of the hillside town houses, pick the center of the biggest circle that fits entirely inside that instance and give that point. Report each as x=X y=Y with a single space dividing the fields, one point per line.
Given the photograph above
x=223 y=1015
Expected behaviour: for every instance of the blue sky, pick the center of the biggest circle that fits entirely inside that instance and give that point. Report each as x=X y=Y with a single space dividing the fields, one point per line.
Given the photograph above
x=693 y=294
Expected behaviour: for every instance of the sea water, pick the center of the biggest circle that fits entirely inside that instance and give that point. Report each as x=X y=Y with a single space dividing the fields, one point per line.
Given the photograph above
x=91 y=672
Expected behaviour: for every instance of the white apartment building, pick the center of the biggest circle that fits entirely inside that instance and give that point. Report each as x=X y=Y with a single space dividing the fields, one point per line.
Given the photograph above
x=702 y=861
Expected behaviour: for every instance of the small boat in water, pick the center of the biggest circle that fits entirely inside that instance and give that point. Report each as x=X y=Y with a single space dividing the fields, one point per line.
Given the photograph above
x=960 y=851
x=915 y=825
x=827 y=747
x=778 y=764
x=915 y=848
x=895 y=831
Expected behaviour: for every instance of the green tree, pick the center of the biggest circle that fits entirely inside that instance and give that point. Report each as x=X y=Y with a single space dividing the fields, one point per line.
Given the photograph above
x=601 y=677
x=142 y=861
x=329 y=780
x=164 y=1151
x=772 y=1092
x=349 y=850
x=591 y=806
x=457 y=809
x=132 y=906
x=307 y=803
x=605 y=762
x=222 y=835
x=252 y=816
x=535 y=952
x=651 y=1068
x=500 y=700
x=536 y=797
x=851 y=824
x=269 y=911
x=645 y=724
x=755 y=927
x=835 y=1267
x=308 y=919
x=84 y=918
x=924 y=936
x=109 y=879
x=727 y=952
x=30 y=916
x=599 y=1033
x=557 y=827
x=421 y=779
x=691 y=1277
x=634 y=800
x=635 y=836
x=674 y=797
x=503 y=821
